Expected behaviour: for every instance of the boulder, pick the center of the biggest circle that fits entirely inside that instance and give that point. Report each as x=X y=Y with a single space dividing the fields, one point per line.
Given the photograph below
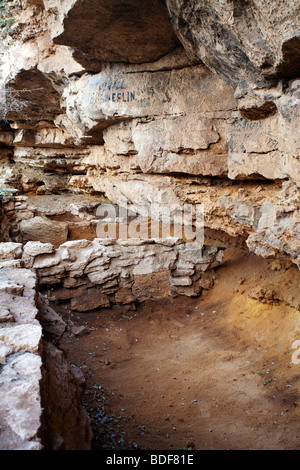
x=44 y=230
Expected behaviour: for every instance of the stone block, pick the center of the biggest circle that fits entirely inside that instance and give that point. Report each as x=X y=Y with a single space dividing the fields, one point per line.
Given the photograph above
x=90 y=300
x=9 y=250
x=35 y=248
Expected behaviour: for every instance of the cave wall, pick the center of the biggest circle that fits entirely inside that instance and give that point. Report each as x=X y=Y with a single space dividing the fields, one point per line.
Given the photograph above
x=201 y=107
x=137 y=104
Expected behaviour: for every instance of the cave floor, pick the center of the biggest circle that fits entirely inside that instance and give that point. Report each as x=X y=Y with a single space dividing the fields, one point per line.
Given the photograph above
x=213 y=372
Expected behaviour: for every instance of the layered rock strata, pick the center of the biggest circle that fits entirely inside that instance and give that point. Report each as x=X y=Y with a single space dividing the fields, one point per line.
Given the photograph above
x=215 y=107
x=140 y=104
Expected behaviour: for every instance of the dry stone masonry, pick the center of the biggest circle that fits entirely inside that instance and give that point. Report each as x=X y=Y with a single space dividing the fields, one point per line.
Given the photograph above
x=92 y=274
x=37 y=385
x=97 y=273
x=20 y=358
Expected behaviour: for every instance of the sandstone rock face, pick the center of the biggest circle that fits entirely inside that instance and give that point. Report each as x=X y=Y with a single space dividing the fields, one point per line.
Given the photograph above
x=278 y=228
x=234 y=118
x=10 y=250
x=19 y=389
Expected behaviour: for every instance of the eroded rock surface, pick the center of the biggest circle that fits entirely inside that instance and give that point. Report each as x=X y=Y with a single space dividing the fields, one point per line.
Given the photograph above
x=241 y=41
x=142 y=105
x=130 y=31
x=221 y=101
x=34 y=373
x=20 y=359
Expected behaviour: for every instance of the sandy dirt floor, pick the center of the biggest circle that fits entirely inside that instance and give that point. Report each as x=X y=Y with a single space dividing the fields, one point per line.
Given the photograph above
x=213 y=372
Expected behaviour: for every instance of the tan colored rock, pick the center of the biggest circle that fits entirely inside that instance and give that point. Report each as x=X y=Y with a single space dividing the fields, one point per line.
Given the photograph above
x=181 y=281
x=99 y=34
x=99 y=277
x=90 y=103
x=10 y=250
x=37 y=248
x=48 y=261
x=44 y=230
x=195 y=112
x=20 y=391
x=153 y=264
x=98 y=263
x=20 y=372
x=179 y=145
x=262 y=34
x=44 y=137
x=5 y=351
x=22 y=338
x=6 y=315
x=267 y=147
x=23 y=307
x=80 y=331
x=11 y=288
